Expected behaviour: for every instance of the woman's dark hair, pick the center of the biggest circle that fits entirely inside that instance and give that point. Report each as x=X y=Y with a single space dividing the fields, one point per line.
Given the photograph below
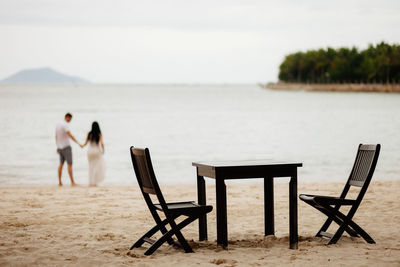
x=94 y=134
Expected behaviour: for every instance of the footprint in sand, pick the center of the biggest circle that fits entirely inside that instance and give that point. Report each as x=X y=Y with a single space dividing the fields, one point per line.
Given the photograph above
x=223 y=261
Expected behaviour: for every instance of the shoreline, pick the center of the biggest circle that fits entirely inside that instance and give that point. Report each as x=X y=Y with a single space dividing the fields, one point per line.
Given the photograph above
x=95 y=226
x=334 y=87
x=134 y=186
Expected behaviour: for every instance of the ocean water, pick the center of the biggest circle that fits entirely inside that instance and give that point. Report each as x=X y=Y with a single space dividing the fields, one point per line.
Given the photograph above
x=185 y=123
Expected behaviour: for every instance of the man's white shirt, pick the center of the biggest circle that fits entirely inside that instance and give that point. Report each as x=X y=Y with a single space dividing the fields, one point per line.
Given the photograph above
x=62 y=138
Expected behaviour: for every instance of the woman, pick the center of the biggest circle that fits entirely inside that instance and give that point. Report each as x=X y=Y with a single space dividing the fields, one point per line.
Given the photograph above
x=95 y=153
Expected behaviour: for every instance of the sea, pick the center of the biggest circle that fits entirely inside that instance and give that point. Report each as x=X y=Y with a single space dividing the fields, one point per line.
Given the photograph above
x=181 y=124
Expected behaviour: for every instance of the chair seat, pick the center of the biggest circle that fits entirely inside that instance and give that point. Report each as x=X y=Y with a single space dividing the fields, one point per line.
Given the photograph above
x=185 y=208
x=327 y=200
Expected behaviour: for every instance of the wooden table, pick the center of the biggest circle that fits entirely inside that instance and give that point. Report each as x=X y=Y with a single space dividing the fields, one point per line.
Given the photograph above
x=221 y=171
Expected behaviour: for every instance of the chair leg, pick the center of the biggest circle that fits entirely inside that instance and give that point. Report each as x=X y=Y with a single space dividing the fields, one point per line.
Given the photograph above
x=328 y=222
x=158 y=243
x=174 y=231
x=324 y=227
x=162 y=224
x=337 y=235
x=333 y=217
x=361 y=232
x=347 y=223
x=151 y=232
x=158 y=221
x=179 y=235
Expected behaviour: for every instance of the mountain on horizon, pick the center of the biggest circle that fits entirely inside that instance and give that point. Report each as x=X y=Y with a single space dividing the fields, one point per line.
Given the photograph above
x=42 y=75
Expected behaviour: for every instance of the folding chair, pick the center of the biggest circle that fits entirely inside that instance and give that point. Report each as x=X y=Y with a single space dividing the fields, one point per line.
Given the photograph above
x=149 y=186
x=360 y=176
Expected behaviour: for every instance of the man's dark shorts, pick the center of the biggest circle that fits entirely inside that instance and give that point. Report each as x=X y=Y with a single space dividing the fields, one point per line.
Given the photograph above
x=65 y=155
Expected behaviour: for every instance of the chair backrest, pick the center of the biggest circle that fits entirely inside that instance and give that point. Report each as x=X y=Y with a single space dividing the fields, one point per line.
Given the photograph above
x=364 y=165
x=145 y=175
x=361 y=174
x=143 y=170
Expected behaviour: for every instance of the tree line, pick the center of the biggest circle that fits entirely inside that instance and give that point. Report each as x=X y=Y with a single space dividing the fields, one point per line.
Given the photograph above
x=376 y=64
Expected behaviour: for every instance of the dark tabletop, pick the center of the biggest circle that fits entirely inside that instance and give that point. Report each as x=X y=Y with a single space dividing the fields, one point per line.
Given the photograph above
x=245 y=163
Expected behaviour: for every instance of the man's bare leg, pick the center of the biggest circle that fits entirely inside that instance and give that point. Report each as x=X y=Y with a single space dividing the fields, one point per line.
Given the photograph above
x=70 y=174
x=59 y=173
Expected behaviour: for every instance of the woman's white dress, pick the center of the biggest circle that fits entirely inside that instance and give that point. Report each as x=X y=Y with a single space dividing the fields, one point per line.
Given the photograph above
x=97 y=166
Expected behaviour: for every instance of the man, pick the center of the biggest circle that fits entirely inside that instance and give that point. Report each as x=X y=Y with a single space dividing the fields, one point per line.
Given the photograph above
x=64 y=148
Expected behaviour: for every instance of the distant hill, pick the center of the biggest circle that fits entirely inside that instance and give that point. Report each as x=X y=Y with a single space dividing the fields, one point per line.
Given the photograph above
x=42 y=75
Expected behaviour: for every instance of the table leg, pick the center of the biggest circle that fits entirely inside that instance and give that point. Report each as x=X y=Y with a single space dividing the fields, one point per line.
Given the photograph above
x=222 y=226
x=293 y=230
x=269 y=206
x=201 y=199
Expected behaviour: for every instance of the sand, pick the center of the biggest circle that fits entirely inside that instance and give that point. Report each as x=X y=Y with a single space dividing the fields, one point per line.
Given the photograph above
x=335 y=87
x=82 y=226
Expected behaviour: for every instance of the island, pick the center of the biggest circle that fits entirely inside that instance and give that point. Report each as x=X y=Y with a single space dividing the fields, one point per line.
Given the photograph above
x=375 y=69
x=42 y=75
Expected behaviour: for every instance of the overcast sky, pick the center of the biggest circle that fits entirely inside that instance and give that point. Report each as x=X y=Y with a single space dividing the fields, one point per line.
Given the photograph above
x=128 y=41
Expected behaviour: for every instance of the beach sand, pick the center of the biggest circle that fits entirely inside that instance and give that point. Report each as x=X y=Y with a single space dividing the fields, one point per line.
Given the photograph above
x=335 y=87
x=82 y=226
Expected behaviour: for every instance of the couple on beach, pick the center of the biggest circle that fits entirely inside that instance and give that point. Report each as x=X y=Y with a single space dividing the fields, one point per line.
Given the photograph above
x=95 y=151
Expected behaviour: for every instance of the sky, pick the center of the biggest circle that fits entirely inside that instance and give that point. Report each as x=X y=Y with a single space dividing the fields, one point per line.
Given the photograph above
x=183 y=41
